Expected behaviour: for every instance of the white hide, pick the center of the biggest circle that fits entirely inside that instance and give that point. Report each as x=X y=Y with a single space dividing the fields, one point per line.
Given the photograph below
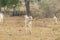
x=1 y=17
x=55 y=19
x=28 y=23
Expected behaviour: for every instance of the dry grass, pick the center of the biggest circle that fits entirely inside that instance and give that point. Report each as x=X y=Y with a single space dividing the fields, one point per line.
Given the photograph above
x=13 y=29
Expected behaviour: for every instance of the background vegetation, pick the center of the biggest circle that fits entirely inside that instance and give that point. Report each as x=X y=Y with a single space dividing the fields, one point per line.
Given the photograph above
x=36 y=8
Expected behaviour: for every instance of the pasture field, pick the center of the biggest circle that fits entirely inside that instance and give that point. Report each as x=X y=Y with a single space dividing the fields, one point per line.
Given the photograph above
x=13 y=29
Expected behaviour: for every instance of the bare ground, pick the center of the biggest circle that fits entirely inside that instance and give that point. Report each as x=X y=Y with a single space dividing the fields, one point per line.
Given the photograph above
x=13 y=29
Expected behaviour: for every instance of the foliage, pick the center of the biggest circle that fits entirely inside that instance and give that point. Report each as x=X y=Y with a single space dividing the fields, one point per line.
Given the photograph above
x=10 y=3
x=3 y=3
x=47 y=6
x=46 y=3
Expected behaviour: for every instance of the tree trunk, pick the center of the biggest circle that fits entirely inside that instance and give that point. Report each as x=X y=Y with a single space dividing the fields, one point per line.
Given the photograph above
x=14 y=11
x=0 y=9
x=27 y=4
x=4 y=11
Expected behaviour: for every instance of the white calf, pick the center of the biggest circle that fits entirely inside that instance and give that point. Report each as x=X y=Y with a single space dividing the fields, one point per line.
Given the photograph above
x=1 y=17
x=28 y=23
x=55 y=19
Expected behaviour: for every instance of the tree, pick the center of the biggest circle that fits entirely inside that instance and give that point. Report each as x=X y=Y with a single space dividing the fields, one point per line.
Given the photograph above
x=8 y=3
x=12 y=3
x=3 y=3
x=27 y=4
x=47 y=6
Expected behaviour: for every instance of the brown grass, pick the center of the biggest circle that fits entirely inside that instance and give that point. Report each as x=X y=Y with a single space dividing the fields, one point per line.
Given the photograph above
x=13 y=29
